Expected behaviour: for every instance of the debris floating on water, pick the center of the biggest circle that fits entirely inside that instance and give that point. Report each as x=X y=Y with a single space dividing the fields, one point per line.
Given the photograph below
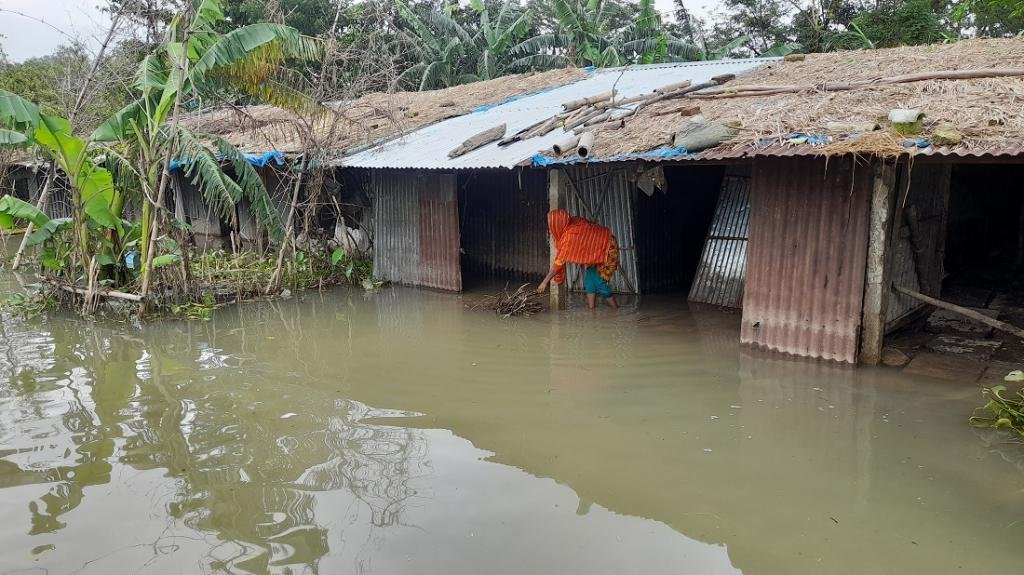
x=522 y=301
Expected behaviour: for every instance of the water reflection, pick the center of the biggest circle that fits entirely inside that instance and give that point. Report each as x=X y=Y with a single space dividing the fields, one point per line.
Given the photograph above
x=642 y=441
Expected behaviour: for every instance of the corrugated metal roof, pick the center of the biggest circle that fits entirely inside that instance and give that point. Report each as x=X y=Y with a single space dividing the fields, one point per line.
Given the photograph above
x=428 y=147
x=807 y=151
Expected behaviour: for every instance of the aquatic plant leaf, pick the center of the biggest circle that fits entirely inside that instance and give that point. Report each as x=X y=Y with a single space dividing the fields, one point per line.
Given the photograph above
x=337 y=255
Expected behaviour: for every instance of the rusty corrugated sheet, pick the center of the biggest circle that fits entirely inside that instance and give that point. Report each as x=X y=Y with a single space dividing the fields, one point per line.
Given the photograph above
x=806 y=257
x=416 y=235
x=439 y=233
x=605 y=195
x=722 y=268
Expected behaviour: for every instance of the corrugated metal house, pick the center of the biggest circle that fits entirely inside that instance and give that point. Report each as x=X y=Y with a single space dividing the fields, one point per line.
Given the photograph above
x=804 y=218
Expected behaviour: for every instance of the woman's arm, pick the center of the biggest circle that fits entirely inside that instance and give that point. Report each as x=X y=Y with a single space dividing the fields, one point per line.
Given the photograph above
x=543 y=287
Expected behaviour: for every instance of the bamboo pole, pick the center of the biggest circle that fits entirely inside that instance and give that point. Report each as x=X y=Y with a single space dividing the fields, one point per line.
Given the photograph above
x=766 y=90
x=969 y=313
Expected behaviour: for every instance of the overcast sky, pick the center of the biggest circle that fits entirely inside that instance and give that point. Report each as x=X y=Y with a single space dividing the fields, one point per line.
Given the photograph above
x=24 y=38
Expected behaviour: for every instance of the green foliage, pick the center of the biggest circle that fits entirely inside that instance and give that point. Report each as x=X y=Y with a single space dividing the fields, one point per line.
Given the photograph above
x=309 y=17
x=198 y=310
x=899 y=23
x=28 y=305
x=992 y=18
x=1001 y=411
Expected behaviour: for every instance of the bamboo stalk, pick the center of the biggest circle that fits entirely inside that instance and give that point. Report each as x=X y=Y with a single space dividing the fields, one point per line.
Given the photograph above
x=112 y=294
x=970 y=313
x=765 y=90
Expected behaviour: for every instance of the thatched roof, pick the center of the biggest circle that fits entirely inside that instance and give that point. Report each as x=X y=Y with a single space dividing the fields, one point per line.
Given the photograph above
x=988 y=111
x=371 y=119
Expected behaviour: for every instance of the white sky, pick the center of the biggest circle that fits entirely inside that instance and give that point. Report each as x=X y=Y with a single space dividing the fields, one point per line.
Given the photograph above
x=23 y=38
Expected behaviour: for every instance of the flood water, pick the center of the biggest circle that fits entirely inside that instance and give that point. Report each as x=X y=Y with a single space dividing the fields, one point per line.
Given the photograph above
x=399 y=432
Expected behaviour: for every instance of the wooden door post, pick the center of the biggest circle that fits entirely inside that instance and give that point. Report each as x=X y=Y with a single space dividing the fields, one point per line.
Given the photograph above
x=877 y=278
x=556 y=201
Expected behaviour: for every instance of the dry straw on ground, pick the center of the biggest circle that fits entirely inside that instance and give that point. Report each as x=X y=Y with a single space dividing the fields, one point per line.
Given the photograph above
x=989 y=111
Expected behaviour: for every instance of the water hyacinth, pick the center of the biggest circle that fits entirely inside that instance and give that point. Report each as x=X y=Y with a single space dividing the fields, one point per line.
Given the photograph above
x=1001 y=411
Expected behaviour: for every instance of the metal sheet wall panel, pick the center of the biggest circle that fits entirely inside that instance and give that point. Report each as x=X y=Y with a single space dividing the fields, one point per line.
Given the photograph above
x=416 y=229
x=927 y=194
x=504 y=223
x=606 y=196
x=198 y=216
x=396 y=207
x=723 y=264
x=807 y=257
x=439 y=233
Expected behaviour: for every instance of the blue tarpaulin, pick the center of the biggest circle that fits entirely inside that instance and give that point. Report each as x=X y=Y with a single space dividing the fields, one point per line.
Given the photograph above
x=540 y=160
x=258 y=160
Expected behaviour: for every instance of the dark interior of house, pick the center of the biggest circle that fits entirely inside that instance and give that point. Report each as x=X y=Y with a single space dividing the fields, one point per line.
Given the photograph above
x=503 y=227
x=672 y=225
x=984 y=255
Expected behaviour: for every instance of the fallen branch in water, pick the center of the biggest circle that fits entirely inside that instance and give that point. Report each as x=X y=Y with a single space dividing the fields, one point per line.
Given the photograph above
x=523 y=301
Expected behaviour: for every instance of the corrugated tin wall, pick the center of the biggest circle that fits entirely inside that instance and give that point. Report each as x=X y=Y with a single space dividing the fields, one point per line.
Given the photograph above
x=193 y=207
x=927 y=197
x=606 y=196
x=806 y=257
x=503 y=218
x=723 y=264
x=416 y=230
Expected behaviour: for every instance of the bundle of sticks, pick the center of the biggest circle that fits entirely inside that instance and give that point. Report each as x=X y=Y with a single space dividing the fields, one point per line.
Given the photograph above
x=606 y=111
x=523 y=301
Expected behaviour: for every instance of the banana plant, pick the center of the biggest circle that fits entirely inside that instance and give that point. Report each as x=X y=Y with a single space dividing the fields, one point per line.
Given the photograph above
x=439 y=44
x=129 y=154
x=495 y=39
x=197 y=61
x=93 y=194
x=645 y=40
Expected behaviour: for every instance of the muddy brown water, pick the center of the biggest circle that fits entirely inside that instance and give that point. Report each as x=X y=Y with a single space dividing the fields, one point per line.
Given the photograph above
x=399 y=432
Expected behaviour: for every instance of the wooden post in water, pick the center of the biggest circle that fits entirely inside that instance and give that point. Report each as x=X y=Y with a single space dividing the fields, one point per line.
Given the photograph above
x=555 y=201
x=876 y=280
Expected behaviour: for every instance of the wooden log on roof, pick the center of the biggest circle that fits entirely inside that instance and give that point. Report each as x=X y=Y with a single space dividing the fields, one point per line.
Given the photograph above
x=585 y=145
x=582 y=120
x=478 y=141
x=623 y=101
x=672 y=87
x=565 y=145
x=610 y=125
x=687 y=110
x=588 y=101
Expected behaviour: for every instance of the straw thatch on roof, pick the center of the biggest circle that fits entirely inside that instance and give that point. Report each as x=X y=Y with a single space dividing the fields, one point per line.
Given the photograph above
x=988 y=111
x=370 y=119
